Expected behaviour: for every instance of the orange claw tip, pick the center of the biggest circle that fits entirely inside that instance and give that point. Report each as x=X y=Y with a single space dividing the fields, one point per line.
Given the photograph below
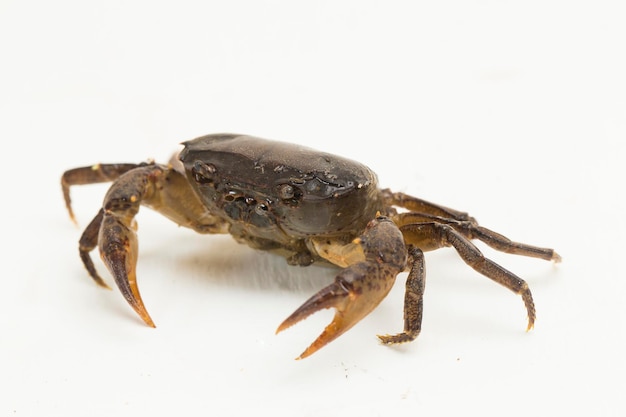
x=335 y=296
x=143 y=313
x=285 y=325
x=308 y=352
x=330 y=333
x=134 y=299
x=335 y=329
x=329 y=297
x=146 y=317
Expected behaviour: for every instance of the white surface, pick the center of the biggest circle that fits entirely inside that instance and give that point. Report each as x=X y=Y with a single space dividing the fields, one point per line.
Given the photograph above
x=514 y=111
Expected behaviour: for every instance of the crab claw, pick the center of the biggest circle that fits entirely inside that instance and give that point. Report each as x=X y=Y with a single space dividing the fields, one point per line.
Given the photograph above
x=118 y=249
x=352 y=298
x=359 y=288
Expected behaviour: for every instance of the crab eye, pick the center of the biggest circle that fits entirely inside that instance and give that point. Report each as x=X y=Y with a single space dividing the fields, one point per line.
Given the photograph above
x=261 y=209
x=286 y=191
x=203 y=173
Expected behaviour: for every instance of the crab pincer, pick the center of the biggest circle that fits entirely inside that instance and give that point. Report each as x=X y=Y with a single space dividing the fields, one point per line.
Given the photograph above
x=360 y=287
x=116 y=236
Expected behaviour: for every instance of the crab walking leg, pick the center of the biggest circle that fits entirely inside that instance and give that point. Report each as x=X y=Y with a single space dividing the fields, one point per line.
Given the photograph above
x=504 y=244
x=360 y=287
x=88 y=242
x=420 y=206
x=91 y=175
x=429 y=236
x=472 y=230
x=413 y=300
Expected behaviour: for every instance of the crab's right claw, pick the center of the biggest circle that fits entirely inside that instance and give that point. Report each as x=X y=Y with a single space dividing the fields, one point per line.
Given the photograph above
x=359 y=288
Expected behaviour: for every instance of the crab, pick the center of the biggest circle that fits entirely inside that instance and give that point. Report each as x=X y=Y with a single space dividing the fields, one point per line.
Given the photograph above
x=307 y=205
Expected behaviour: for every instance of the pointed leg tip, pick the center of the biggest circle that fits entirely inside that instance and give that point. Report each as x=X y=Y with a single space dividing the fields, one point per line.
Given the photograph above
x=395 y=339
x=556 y=258
x=385 y=339
x=103 y=284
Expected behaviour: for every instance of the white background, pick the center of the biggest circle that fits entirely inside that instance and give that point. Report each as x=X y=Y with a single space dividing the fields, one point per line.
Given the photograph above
x=513 y=111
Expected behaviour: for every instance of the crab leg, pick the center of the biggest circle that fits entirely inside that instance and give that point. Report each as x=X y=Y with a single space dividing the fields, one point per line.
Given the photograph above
x=504 y=244
x=429 y=236
x=88 y=242
x=417 y=205
x=360 y=287
x=422 y=211
x=413 y=300
x=472 y=230
x=91 y=175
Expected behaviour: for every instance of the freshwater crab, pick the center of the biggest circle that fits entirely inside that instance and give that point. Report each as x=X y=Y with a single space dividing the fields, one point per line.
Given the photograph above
x=310 y=206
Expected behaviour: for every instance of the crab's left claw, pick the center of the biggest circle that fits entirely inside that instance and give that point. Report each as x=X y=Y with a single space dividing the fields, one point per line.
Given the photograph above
x=354 y=294
x=359 y=288
x=118 y=249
